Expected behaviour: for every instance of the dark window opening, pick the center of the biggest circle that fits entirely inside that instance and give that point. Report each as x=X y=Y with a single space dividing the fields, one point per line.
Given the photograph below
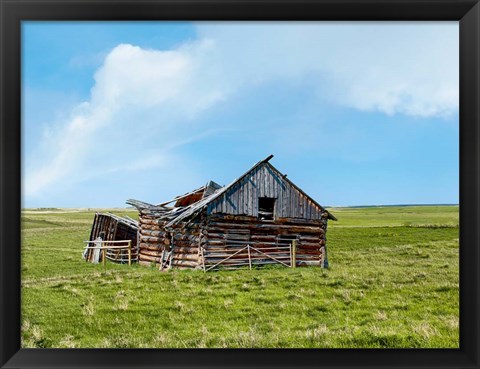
x=266 y=207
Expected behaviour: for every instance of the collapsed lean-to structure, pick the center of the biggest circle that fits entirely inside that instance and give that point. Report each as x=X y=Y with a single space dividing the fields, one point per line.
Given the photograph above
x=111 y=227
x=252 y=221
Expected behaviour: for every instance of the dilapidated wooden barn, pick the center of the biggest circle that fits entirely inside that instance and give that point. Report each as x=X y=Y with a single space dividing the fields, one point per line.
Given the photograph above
x=260 y=218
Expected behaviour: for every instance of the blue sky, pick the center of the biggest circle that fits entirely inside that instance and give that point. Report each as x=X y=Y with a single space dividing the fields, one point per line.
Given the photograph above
x=355 y=113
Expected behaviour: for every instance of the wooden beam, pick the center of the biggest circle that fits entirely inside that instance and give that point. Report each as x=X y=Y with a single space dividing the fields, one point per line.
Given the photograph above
x=267 y=159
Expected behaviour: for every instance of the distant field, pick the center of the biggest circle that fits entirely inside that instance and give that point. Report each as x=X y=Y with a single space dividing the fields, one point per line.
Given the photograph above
x=392 y=282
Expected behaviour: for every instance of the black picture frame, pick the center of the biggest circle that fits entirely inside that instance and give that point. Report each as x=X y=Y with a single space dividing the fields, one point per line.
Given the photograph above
x=13 y=12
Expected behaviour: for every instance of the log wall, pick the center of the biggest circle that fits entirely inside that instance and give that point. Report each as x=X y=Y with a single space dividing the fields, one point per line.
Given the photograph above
x=186 y=246
x=223 y=235
x=152 y=238
x=155 y=239
x=210 y=241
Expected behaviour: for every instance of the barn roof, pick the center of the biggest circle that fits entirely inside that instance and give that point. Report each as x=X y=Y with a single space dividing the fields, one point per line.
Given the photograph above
x=180 y=201
x=194 y=196
x=211 y=191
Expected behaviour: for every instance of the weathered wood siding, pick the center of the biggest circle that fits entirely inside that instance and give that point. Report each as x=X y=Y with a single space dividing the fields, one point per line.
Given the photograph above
x=265 y=181
x=223 y=234
x=113 y=230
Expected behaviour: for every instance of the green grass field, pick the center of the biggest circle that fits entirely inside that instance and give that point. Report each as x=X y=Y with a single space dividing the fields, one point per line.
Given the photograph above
x=392 y=282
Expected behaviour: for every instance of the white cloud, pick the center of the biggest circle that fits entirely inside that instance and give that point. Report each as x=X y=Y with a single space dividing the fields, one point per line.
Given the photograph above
x=144 y=101
x=408 y=68
x=138 y=94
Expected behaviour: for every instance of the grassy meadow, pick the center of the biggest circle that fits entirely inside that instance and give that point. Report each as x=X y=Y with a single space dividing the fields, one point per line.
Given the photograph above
x=393 y=282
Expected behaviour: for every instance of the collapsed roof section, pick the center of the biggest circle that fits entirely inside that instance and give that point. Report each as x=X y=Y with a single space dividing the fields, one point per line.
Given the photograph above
x=180 y=203
x=193 y=196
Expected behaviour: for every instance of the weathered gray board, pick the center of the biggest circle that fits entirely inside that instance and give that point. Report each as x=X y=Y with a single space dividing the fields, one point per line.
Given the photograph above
x=265 y=181
x=110 y=227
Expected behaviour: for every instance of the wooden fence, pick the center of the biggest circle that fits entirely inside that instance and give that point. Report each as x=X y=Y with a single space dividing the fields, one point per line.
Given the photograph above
x=239 y=255
x=112 y=250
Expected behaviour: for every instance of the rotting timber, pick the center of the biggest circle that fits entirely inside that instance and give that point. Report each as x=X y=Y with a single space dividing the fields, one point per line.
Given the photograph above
x=260 y=218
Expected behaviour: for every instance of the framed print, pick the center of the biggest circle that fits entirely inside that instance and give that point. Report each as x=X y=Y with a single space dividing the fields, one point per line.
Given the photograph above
x=239 y=184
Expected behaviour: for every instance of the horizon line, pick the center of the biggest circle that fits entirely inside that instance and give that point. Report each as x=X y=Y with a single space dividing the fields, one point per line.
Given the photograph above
x=326 y=206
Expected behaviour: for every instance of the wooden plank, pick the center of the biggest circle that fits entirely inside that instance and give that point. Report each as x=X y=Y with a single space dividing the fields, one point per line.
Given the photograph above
x=309 y=247
x=275 y=185
x=293 y=208
x=266 y=178
x=216 y=242
x=273 y=226
x=236 y=200
x=191 y=257
x=150 y=246
x=150 y=232
x=185 y=244
x=241 y=200
x=130 y=253
x=187 y=250
x=151 y=239
x=188 y=263
x=192 y=236
x=265 y=182
x=144 y=221
x=258 y=181
x=95 y=226
x=297 y=221
x=107 y=247
x=310 y=238
x=285 y=199
x=155 y=253
x=252 y=195
x=110 y=242
x=149 y=258
x=246 y=196
x=272 y=183
x=237 y=236
x=294 y=254
x=214 y=236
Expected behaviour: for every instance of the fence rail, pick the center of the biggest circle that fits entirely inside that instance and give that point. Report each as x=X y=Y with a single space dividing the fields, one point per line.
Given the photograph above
x=250 y=256
x=108 y=248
